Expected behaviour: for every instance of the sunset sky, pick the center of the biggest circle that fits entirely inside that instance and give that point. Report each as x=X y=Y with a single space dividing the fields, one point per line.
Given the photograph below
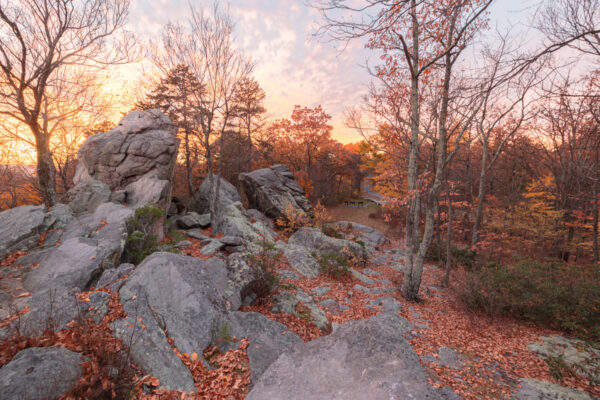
x=292 y=66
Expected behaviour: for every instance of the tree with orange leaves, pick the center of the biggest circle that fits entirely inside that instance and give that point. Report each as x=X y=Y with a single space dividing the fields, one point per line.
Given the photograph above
x=420 y=41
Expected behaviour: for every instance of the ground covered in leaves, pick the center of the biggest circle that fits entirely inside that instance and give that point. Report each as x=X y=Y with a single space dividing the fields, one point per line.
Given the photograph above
x=492 y=354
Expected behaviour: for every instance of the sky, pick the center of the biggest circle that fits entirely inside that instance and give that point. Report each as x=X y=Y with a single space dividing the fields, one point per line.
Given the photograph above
x=292 y=66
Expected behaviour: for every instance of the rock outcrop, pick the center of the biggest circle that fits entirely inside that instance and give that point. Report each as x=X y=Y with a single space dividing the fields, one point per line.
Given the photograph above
x=364 y=233
x=20 y=228
x=363 y=360
x=274 y=191
x=135 y=160
x=40 y=373
x=193 y=300
x=317 y=242
x=200 y=203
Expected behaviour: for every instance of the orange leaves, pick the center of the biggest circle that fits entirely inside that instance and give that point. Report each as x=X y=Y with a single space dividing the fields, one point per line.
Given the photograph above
x=103 y=223
x=10 y=259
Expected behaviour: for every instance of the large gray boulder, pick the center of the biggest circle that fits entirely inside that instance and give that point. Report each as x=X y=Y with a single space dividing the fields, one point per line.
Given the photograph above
x=73 y=264
x=273 y=191
x=576 y=354
x=20 y=228
x=364 y=360
x=316 y=241
x=287 y=301
x=300 y=258
x=40 y=373
x=184 y=296
x=137 y=156
x=534 y=389
x=86 y=196
x=268 y=339
x=361 y=232
x=234 y=221
x=228 y=194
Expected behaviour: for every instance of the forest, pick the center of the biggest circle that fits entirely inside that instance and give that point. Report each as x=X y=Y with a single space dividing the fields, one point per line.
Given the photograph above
x=475 y=146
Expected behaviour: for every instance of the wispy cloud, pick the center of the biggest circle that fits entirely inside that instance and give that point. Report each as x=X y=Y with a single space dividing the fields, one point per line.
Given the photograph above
x=291 y=66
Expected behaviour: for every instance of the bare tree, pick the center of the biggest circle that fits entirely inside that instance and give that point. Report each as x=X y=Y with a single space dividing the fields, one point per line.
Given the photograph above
x=416 y=36
x=572 y=23
x=206 y=46
x=507 y=103
x=37 y=39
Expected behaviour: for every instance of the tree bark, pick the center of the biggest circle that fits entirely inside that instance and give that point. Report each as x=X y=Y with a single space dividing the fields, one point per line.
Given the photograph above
x=46 y=170
x=408 y=287
x=446 y=281
x=480 y=196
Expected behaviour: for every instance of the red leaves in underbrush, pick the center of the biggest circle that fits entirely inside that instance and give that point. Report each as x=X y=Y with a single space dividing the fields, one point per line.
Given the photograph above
x=107 y=374
x=496 y=353
x=229 y=379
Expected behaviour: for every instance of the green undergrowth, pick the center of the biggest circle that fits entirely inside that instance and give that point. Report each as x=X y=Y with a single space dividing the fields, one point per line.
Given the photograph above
x=553 y=295
x=142 y=239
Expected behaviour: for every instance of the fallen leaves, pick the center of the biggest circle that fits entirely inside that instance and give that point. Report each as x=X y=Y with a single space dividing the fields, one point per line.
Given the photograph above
x=12 y=258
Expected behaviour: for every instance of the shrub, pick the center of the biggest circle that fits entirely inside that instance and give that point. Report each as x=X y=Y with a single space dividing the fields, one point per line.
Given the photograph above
x=334 y=265
x=555 y=295
x=460 y=256
x=293 y=220
x=142 y=239
x=264 y=263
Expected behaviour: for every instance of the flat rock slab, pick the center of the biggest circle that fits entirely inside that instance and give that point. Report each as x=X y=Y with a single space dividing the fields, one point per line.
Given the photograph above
x=268 y=339
x=40 y=373
x=17 y=225
x=72 y=264
x=368 y=359
x=533 y=389
x=575 y=353
x=387 y=304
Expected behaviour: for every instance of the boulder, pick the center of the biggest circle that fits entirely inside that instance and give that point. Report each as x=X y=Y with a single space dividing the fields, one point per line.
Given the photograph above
x=148 y=191
x=386 y=304
x=366 y=359
x=193 y=220
x=184 y=296
x=268 y=339
x=234 y=221
x=58 y=306
x=363 y=233
x=59 y=216
x=287 y=301
x=86 y=196
x=111 y=276
x=274 y=191
x=576 y=354
x=20 y=228
x=75 y=263
x=534 y=389
x=316 y=241
x=200 y=202
x=300 y=259
x=258 y=216
x=40 y=373
x=137 y=156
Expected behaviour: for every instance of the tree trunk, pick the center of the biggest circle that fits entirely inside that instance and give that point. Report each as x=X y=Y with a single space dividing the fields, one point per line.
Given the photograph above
x=480 y=196
x=410 y=272
x=45 y=168
x=188 y=164
x=412 y=285
x=448 y=241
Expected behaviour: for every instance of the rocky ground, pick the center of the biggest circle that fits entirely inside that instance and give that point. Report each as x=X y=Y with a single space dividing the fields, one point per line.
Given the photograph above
x=199 y=318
